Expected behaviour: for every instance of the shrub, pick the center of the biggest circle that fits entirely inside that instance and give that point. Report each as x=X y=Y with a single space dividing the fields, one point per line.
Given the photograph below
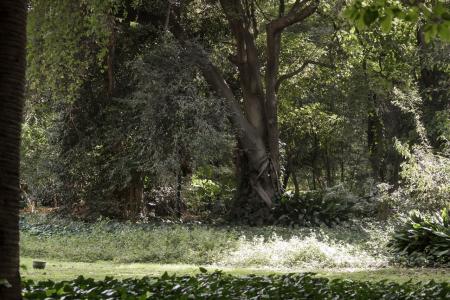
x=425 y=179
x=312 y=208
x=423 y=240
x=222 y=286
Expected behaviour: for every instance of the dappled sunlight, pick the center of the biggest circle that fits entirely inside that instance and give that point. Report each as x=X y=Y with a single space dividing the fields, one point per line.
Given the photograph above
x=300 y=252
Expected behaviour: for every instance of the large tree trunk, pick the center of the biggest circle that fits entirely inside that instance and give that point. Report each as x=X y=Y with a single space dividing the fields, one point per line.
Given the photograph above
x=12 y=77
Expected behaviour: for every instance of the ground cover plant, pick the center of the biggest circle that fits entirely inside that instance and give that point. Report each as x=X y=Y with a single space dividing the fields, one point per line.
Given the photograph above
x=423 y=240
x=345 y=246
x=218 y=285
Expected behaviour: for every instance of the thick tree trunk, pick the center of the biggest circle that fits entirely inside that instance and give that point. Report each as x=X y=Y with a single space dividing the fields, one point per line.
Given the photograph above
x=133 y=197
x=12 y=78
x=256 y=190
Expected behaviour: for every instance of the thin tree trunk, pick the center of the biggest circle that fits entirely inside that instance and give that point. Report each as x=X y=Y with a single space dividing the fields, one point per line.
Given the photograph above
x=12 y=78
x=178 y=203
x=296 y=185
x=110 y=57
x=287 y=174
x=329 y=168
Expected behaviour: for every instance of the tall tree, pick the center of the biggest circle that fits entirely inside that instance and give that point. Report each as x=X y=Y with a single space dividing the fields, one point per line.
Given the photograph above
x=255 y=121
x=12 y=78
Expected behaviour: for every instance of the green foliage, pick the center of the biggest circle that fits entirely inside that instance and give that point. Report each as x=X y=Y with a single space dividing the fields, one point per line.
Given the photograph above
x=384 y=12
x=218 y=285
x=311 y=208
x=440 y=128
x=423 y=240
x=210 y=191
x=183 y=122
x=91 y=151
x=426 y=179
x=314 y=249
x=312 y=121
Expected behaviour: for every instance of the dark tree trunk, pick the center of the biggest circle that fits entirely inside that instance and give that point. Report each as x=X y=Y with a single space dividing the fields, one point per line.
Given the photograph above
x=12 y=78
x=133 y=197
x=434 y=84
x=329 y=168
x=110 y=84
x=286 y=175
x=296 y=185
x=375 y=142
x=178 y=200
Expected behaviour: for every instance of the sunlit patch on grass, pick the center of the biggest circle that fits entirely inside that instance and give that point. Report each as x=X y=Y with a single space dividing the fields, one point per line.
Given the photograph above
x=301 y=252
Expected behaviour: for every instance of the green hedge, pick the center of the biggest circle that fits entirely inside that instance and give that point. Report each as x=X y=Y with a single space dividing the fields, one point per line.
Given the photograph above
x=221 y=286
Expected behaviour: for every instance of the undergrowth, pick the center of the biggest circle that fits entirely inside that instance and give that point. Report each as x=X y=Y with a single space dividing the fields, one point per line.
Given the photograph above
x=423 y=240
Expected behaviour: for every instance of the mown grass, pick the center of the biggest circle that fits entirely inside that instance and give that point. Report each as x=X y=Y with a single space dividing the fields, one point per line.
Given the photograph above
x=125 y=250
x=64 y=270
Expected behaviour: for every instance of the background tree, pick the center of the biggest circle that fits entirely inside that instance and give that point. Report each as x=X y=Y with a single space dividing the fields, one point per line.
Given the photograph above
x=96 y=142
x=256 y=123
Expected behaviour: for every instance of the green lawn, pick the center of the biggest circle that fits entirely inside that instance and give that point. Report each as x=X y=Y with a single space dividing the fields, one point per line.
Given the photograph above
x=63 y=270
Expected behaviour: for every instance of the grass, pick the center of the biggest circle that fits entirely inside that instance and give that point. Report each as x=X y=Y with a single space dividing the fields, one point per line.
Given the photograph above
x=347 y=246
x=125 y=250
x=63 y=270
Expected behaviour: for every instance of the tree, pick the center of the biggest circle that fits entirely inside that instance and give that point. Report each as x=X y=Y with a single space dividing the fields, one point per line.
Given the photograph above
x=256 y=122
x=12 y=78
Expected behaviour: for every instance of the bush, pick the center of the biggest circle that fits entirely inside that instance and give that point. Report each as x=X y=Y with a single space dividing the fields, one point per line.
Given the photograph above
x=423 y=240
x=210 y=192
x=425 y=179
x=311 y=208
x=221 y=286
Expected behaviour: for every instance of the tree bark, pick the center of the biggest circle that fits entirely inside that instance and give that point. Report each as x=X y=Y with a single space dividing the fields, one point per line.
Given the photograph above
x=12 y=78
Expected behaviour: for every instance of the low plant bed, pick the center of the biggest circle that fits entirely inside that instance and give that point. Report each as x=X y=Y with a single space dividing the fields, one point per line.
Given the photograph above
x=219 y=285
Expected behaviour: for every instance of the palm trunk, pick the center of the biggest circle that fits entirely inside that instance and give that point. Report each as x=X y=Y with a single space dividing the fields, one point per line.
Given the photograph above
x=12 y=78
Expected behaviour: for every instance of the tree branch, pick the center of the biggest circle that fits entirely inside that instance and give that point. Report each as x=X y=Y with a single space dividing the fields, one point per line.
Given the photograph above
x=246 y=59
x=297 y=71
x=299 y=11
x=215 y=79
